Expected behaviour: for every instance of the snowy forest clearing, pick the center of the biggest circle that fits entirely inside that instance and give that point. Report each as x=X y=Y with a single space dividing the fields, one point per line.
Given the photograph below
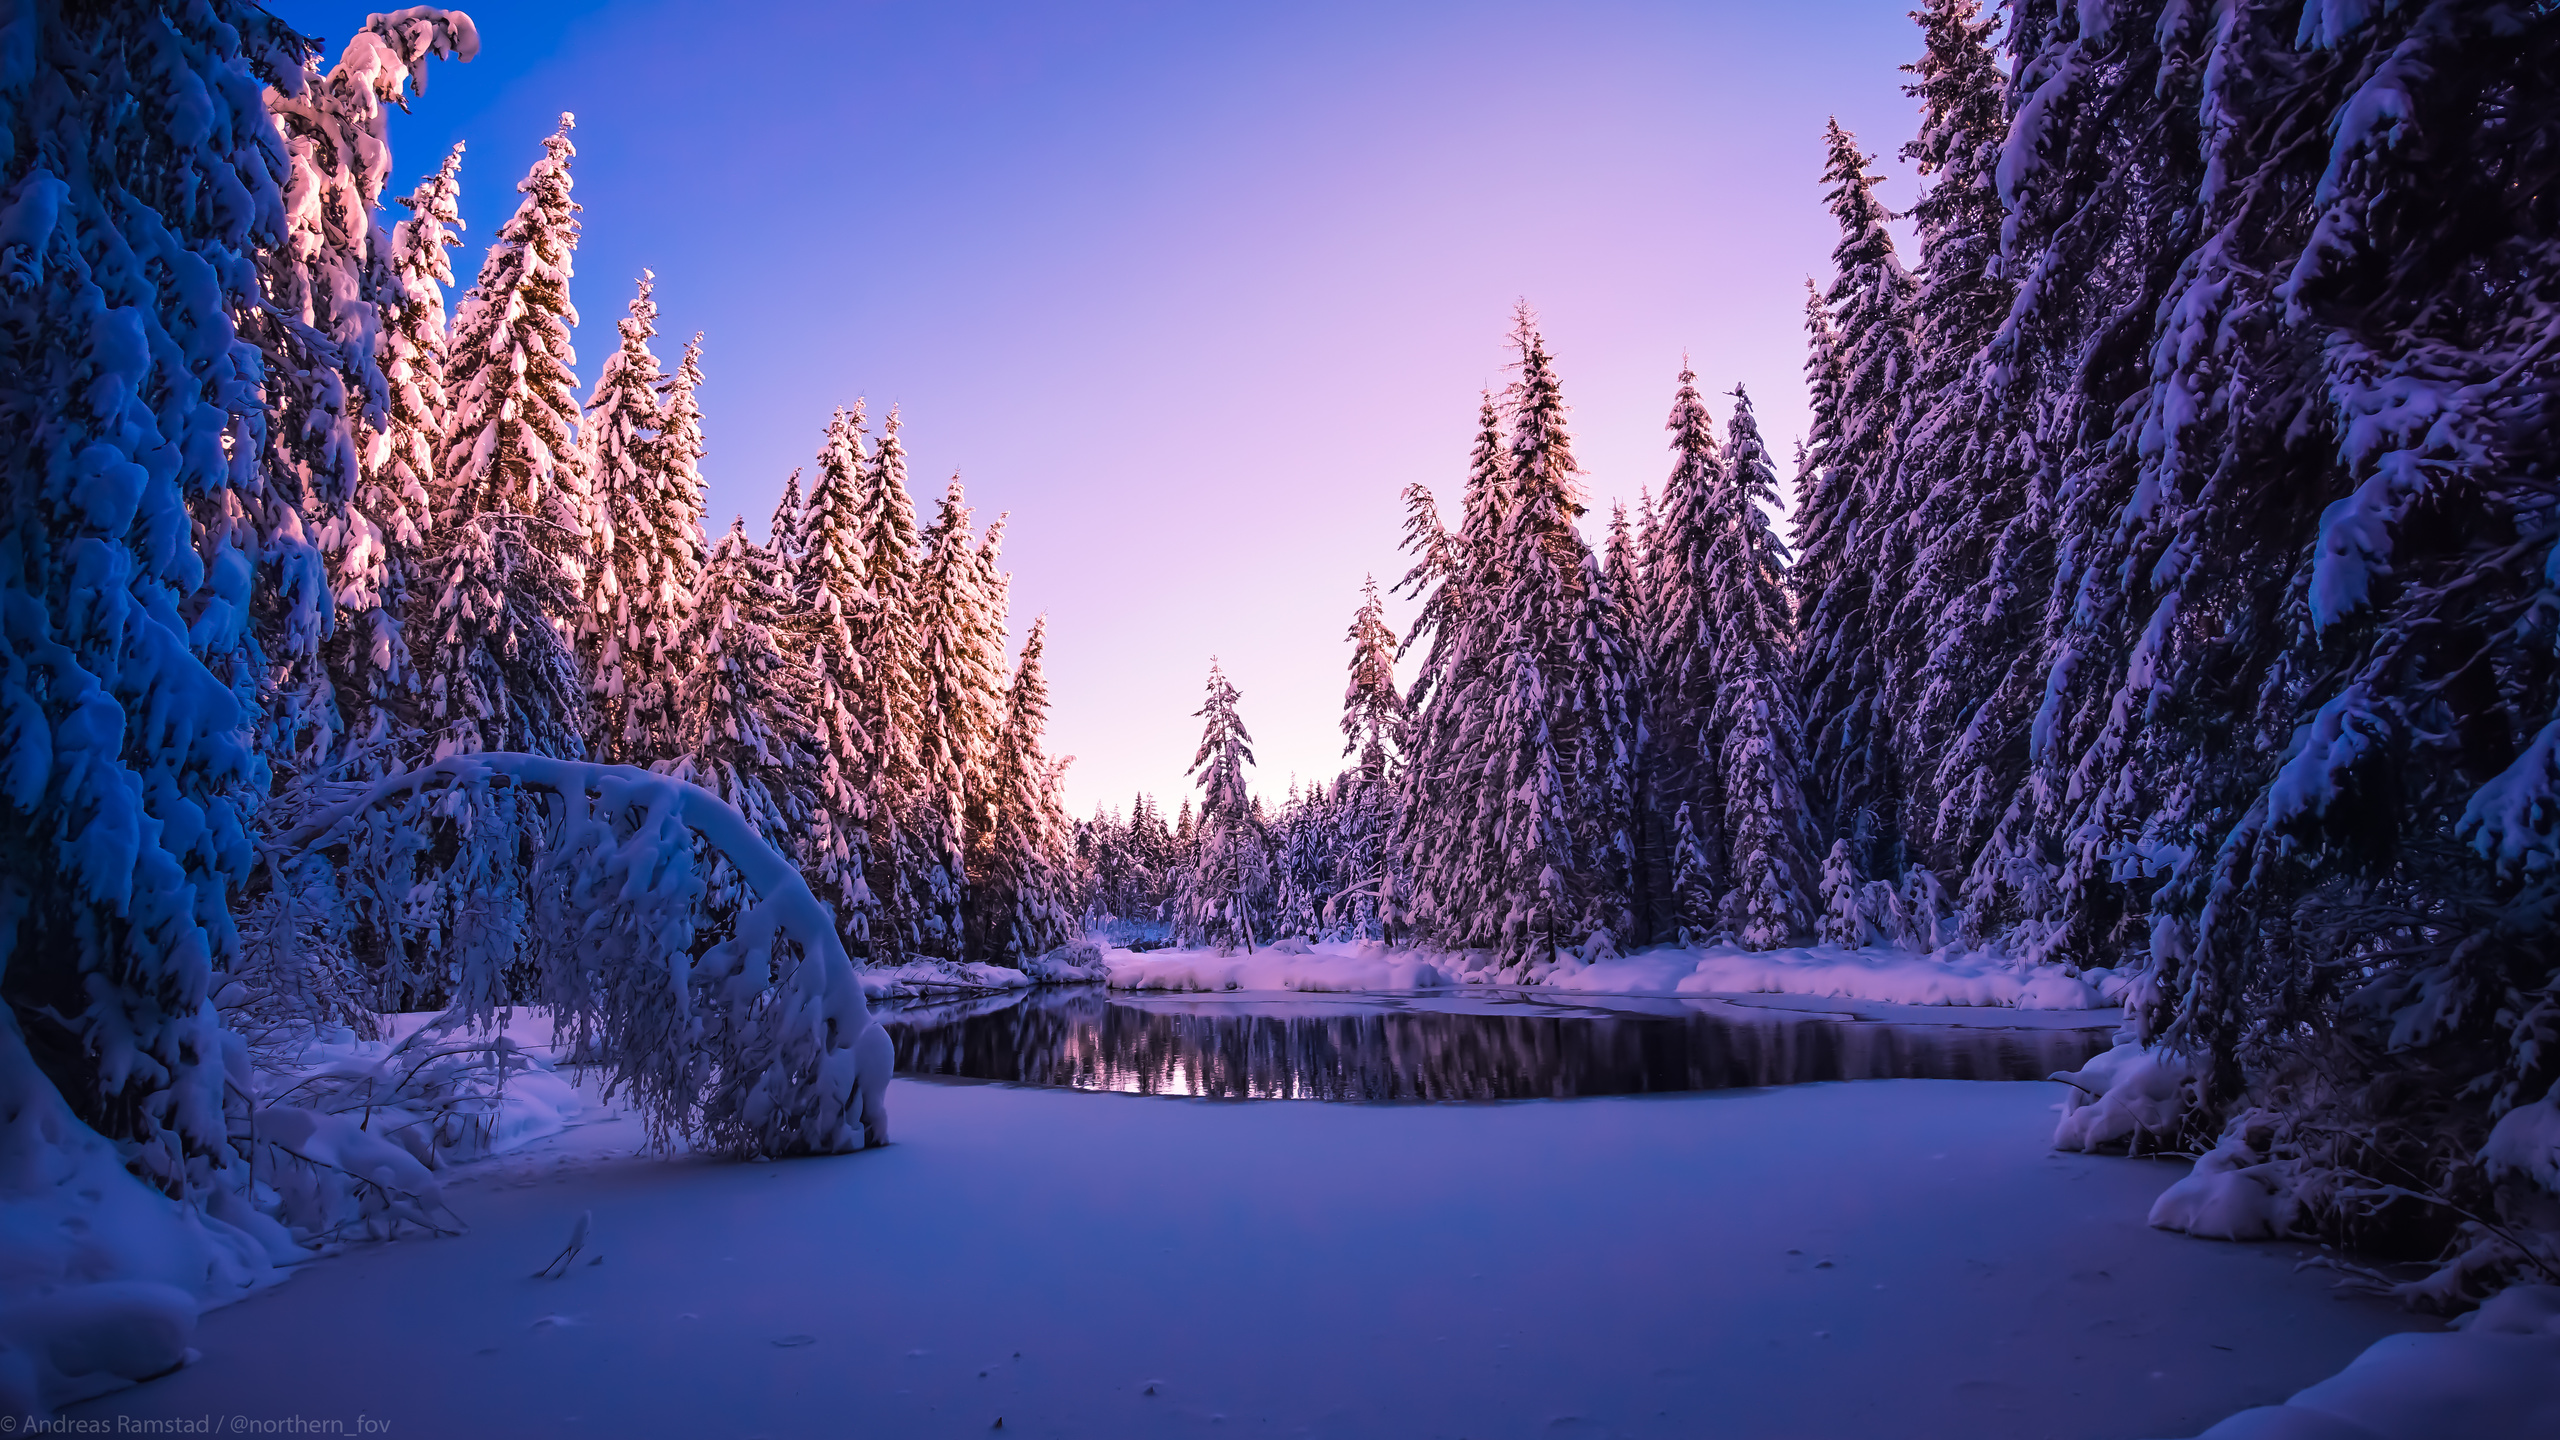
x=1613 y=1266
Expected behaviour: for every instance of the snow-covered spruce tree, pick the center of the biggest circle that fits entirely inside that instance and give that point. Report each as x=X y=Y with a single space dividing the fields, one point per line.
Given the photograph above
x=1847 y=535
x=1625 y=574
x=399 y=485
x=831 y=593
x=886 y=704
x=783 y=532
x=644 y=546
x=1021 y=890
x=1767 y=840
x=139 y=180
x=330 y=587
x=1545 y=719
x=1684 y=769
x=2261 y=403
x=1438 y=789
x=1373 y=715
x=506 y=561
x=1223 y=889
x=995 y=598
x=1965 y=610
x=742 y=729
x=959 y=709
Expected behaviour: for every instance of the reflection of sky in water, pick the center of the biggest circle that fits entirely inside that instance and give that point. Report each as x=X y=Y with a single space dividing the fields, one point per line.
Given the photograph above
x=1497 y=1046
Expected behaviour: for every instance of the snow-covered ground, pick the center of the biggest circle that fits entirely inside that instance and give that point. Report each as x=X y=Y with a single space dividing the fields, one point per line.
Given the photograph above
x=1897 y=977
x=1899 y=1258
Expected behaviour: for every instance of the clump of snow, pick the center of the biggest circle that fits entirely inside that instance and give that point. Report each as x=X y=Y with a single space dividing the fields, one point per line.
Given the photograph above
x=1075 y=961
x=2494 y=1376
x=2130 y=1095
x=102 y=1274
x=82 y=1342
x=938 y=977
x=2526 y=1142
x=2234 y=1193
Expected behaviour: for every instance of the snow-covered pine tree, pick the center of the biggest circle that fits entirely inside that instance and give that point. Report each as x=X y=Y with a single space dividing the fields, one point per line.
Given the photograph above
x=994 y=587
x=958 y=712
x=1767 y=839
x=1372 y=706
x=644 y=546
x=1684 y=767
x=784 y=536
x=887 y=706
x=1848 y=536
x=2276 y=735
x=743 y=731
x=1022 y=889
x=399 y=488
x=331 y=583
x=832 y=594
x=506 y=567
x=1222 y=891
x=1373 y=715
x=130 y=768
x=1966 y=605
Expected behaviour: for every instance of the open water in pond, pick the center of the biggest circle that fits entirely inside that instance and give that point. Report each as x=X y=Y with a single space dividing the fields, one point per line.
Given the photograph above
x=1466 y=1046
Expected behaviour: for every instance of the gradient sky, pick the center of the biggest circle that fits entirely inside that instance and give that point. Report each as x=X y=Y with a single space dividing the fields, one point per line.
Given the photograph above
x=1192 y=290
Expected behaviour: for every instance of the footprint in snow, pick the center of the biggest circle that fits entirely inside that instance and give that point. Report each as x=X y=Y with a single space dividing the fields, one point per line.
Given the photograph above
x=794 y=1342
x=558 y=1322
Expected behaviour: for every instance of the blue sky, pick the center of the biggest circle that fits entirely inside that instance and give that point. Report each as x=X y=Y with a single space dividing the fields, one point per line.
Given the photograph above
x=1191 y=290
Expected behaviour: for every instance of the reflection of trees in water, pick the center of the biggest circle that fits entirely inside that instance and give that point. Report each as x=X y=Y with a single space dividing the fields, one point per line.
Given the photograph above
x=1079 y=1038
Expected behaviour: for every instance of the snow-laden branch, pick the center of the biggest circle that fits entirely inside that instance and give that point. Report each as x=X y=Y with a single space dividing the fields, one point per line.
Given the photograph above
x=761 y=1043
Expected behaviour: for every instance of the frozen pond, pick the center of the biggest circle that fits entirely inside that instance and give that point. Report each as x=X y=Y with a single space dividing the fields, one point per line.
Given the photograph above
x=1470 y=1045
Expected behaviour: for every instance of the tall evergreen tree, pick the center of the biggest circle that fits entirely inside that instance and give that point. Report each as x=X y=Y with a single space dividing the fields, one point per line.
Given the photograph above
x=644 y=548
x=959 y=711
x=1514 y=837
x=831 y=580
x=1848 y=536
x=1021 y=893
x=743 y=730
x=1372 y=707
x=1222 y=889
x=1373 y=717
x=506 y=569
x=1965 y=604
x=889 y=704
x=400 y=471
x=1682 y=667
x=326 y=614
x=1767 y=829
x=129 y=767
x=784 y=533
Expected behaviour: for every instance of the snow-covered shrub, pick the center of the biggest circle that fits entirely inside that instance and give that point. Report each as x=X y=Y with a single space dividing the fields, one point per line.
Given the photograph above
x=753 y=1037
x=2135 y=1096
x=1077 y=960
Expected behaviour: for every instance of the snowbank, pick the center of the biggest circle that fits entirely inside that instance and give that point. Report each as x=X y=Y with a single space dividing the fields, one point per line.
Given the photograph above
x=1824 y=971
x=2495 y=1376
x=1299 y=967
x=101 y=1276
x=2132 y=1095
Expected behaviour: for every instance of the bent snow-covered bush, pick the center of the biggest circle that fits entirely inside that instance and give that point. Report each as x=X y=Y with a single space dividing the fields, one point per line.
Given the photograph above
x=744 y=1029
